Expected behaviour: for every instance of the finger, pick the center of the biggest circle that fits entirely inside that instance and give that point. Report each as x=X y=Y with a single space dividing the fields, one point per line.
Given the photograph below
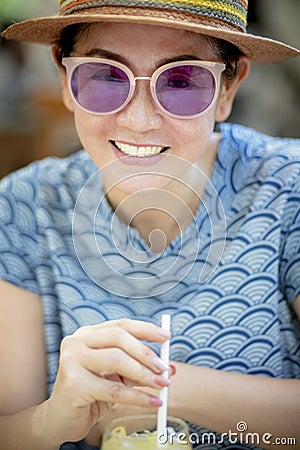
x=101 y=389
x=119 y=338
x=141 y=330
x=131 y=383
x=173 y=370
x=115 y=377
x=106 y=361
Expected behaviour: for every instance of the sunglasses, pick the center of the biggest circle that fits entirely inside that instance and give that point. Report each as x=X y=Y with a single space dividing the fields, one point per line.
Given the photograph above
x=183 y=89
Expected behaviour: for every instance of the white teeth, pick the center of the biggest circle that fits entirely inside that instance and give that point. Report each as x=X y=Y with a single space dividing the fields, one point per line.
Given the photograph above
x=133 y=150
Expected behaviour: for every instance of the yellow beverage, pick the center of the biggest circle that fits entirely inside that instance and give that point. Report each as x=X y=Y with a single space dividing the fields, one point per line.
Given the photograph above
x=138 y=433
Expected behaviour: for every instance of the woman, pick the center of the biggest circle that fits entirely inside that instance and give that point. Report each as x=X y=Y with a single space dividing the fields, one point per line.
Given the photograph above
x=157 y=214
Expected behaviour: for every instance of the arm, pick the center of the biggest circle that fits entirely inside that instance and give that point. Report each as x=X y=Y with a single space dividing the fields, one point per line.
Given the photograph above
x=23 y=369
x=29 y=421
x=22 y=350
x=219 y=400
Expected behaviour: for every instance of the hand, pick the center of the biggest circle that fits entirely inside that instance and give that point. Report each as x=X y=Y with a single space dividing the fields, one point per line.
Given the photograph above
x=95 y=435
x=117 y=410
x=86 y=385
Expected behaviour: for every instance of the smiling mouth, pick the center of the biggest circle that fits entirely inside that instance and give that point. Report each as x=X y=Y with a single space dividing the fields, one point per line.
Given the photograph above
x=139 y=151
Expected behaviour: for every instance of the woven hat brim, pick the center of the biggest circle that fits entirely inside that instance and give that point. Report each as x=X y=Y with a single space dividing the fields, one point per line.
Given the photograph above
x=47 y=30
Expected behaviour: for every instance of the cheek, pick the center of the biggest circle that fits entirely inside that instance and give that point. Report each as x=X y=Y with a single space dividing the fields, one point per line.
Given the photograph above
x=87 y=125
x=194 y=136
x=93 y=132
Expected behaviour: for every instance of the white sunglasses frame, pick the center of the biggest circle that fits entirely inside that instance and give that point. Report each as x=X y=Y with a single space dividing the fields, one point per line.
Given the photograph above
x=216 y=69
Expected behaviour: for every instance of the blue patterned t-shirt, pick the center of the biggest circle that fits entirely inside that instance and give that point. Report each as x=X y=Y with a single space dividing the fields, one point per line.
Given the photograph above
x=90 y=267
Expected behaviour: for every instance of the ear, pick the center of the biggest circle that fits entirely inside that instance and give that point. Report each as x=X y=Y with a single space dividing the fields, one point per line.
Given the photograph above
x=66 y=96
x=229 y=89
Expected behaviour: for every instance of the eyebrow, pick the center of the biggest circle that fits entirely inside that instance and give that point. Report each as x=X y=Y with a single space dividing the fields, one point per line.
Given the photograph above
x=102 y=53
x=179 y=58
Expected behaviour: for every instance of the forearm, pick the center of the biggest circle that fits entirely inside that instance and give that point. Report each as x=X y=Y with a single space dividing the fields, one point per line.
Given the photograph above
x=218 y=400
x=27 y=430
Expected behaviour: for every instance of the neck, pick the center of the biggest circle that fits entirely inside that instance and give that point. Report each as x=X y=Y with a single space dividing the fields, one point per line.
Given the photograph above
x=162 y=214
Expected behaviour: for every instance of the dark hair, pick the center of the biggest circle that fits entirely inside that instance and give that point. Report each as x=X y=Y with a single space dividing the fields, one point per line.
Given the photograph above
x=227 y=52
x=224 y=50
x=68 y=38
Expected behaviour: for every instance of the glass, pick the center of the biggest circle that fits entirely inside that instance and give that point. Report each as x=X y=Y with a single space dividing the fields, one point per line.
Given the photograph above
x=138 y=432
x=182 y=89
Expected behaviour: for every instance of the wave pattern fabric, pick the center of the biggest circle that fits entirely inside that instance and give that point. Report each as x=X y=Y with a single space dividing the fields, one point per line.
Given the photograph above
x=239 y=319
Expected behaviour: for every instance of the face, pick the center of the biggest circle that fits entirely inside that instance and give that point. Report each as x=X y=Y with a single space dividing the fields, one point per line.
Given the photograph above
x=107 y=138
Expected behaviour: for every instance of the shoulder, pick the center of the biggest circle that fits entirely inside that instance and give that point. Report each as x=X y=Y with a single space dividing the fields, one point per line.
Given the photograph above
x=262 y=156
x=252 y=143
x=50 y=175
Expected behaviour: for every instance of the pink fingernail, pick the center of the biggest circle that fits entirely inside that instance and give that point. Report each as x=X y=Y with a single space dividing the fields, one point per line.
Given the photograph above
x=161 y=381
x=155 y=401
x=173 y=369
x=164 y=333
x=160 y=365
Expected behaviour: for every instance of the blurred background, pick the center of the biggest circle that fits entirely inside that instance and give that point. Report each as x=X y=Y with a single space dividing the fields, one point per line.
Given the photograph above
x=34 y=124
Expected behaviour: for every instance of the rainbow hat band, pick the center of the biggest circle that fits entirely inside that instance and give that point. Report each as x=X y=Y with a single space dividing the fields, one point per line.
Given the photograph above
x=231 y=13
x=224 y=19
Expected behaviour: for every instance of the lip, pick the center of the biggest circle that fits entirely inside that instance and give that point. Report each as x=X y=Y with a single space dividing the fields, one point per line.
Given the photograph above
x=136 y=160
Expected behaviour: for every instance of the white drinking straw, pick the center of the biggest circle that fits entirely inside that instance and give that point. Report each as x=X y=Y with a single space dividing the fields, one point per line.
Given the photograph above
x=162 y=413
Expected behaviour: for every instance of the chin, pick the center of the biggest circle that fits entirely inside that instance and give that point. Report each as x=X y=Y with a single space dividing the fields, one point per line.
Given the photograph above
x=141 y=182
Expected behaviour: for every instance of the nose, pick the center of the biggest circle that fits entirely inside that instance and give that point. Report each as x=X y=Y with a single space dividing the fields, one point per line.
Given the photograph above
x=141 y=114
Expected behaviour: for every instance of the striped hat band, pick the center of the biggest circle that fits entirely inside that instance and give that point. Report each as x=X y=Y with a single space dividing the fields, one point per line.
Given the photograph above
x=231 y=14
x=221 y=19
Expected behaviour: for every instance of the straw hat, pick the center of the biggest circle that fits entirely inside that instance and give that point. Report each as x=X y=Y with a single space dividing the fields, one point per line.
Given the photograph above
x=225 y=19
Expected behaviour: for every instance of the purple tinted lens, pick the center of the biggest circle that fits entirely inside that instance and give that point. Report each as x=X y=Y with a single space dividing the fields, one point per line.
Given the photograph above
x=185 y=90
x=100 y=87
